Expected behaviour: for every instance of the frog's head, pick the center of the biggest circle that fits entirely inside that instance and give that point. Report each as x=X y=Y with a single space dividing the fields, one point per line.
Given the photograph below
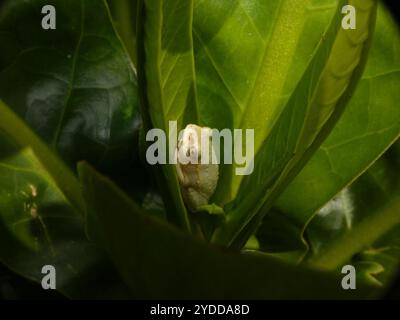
x=189 y=144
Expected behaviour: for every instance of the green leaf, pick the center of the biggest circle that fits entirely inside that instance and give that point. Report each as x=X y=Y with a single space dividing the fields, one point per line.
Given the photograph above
x=75 y=88
x=74 y=85
x=12 y=127
x=159 y=261
x=167 y=65
x=211 y=209
x=369 y=125
x=167 y=83
x=385 y=254
x=38 y=227
x=249 y=55
x=324 y=91
x=362 y=223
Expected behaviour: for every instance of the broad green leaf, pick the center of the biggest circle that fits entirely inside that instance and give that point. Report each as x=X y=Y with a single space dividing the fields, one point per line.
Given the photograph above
x=369 y=125
x=324 y=89
x=249 y=55
x=167 y=83
x=38 y=227
x=159 y=261
x=74 y=85
x=365 y=215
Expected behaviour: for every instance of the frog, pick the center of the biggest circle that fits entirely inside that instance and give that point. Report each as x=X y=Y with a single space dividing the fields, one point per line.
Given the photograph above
x=197 y=180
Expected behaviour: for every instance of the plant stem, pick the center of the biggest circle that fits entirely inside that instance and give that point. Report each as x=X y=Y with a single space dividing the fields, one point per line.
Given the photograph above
x=366 y=233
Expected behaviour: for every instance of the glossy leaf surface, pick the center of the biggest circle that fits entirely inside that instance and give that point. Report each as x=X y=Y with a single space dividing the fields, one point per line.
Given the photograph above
x=74 y=85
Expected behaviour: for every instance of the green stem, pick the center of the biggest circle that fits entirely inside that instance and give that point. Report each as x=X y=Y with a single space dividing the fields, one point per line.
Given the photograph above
x=18 y=131
x=364 y=234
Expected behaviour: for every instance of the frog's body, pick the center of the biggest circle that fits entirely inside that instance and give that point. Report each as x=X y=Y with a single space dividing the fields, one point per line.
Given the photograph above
x=198 y=181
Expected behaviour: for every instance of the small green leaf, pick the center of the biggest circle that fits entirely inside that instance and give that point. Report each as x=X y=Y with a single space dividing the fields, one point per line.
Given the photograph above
x=212 y=209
